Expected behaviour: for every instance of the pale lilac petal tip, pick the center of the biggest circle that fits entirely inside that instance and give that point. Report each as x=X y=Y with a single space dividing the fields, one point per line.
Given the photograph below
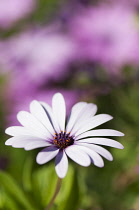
x=47 y=154
x=59 y=109
x=18 y=131
x=29 y=121
x=76 y=154
x=38 y=111
x=102 y=141
x=61 y=163
x=96 y=158
x=10 y=141
x=75 y=111
x=100 y=132
x=100 y=150
x=92 y=123
x=36 y=144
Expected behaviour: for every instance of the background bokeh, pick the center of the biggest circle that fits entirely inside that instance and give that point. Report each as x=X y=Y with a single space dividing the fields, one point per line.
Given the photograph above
x=89 y=51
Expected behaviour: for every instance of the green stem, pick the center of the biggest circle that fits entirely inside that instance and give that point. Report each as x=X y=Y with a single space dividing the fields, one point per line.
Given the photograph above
x=58 y=185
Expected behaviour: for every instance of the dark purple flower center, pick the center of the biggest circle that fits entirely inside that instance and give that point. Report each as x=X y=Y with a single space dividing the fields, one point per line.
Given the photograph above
x=63 y=140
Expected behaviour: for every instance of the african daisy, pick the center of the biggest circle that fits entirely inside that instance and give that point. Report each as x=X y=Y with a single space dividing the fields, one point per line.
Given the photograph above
x=46 y=126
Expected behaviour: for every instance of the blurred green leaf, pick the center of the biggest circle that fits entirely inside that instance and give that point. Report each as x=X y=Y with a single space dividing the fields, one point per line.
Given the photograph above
x=44 y=182
x=6 y=202
x=68 y=197
x=11 y=187
x=27 y=173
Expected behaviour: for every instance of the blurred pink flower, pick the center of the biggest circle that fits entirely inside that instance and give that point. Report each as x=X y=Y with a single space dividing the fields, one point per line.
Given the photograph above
x=22 y=91
x=42 y=55
x=13 y=10
x=106 y=34
x=126 y=3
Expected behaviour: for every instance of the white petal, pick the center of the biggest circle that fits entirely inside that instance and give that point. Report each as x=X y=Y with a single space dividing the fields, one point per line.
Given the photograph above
x=59 y=110
x=103 y=141
x=47 y=154
x=96 y=158
x=100 y=132
x=77 y=155
x=75 y=111
x=100 y=150
x=36 y=144
x=10 y=141
x=18 y=131
x=61 y=163
x=88 y=111
x=91 y=123
x=38 y=111
x=51 y=116
x=29 y=121
x=22 y=141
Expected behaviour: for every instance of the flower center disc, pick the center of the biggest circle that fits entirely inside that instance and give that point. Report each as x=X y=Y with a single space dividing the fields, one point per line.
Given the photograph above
x=63 y=139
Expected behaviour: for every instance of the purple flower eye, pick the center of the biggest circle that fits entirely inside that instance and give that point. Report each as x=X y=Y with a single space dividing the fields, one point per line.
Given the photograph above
x=63 y=140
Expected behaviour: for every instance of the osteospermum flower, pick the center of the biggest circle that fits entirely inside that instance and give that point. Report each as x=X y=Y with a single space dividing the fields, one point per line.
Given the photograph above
x=46 y=126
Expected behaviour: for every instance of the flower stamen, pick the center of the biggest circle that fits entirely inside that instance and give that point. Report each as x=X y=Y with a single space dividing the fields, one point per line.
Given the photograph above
x=63 y=139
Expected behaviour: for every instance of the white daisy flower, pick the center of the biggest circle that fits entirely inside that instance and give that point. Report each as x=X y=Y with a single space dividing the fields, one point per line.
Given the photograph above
x=46 y=126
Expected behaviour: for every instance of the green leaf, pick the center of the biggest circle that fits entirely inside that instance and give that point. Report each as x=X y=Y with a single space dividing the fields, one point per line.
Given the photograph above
x=44 y=183
x=6 y=202
x=11 y=187
x=69 y=195
x=27 y=173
